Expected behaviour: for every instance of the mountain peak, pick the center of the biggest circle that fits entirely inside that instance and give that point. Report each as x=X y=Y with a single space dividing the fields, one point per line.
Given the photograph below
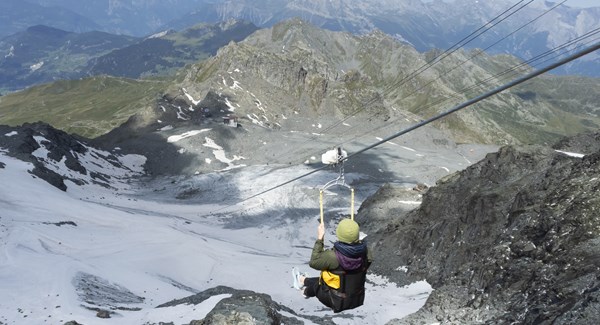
x=47 y=30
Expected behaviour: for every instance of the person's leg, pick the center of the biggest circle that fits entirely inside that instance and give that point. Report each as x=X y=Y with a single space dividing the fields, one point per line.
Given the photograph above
x=311 y=286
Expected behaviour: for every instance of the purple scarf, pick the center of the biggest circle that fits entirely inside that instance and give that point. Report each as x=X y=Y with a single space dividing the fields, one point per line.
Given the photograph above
x=350 y=256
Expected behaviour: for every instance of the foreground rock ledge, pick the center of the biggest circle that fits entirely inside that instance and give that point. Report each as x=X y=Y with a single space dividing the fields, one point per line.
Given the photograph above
x=244 y=307
x=514 y=238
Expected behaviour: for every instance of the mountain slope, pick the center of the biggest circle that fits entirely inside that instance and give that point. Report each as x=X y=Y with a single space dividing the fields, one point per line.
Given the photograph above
x=512 y=238
x=130 y=17
x=326 y=73
x=42 y=54
x=88 y=107
x=18 y=15
x=163 y=53
x=298 y=70
x=521 y=30
x=70 y=243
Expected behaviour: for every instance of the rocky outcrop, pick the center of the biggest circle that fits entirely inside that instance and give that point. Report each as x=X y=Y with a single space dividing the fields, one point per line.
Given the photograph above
x=23 y=142
x=244 y=307
x=58 y=156
x=296 y=68
x=514 y=238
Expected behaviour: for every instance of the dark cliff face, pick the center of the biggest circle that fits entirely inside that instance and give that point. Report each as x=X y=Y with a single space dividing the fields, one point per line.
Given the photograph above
x=57 y=156
x=513 y=238
x=59 y=145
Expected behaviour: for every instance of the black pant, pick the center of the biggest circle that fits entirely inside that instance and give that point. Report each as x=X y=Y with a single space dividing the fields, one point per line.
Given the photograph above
x=311 y=286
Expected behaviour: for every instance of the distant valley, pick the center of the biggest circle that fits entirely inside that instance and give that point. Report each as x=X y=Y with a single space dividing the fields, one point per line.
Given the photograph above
x=43 y=54
x=296 y=70
x=521 y=28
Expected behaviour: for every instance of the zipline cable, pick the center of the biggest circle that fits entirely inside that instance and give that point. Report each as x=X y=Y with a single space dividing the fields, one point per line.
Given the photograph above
x=483 y=96
x=447 y=53
x=554 y=52
x=485 y=49
x=468 y=103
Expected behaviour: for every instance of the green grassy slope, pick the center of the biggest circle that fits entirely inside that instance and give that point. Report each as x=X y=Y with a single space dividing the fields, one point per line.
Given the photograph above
x=88 y=107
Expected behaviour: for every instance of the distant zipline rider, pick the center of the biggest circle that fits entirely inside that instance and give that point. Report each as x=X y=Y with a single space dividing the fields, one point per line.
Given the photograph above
x=336 y=158
x=341 y=284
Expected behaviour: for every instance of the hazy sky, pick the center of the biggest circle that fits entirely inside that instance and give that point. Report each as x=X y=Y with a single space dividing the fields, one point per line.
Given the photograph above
x=571 y=3
x=583 y=3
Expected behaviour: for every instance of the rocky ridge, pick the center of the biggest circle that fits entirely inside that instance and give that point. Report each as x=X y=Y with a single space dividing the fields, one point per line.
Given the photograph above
x=512 y=238
x=337 y=74
x=58 y=157
x=534 y=28
x=296 y=71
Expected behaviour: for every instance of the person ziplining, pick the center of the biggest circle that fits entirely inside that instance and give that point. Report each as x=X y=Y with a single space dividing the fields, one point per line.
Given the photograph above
x=341 y=284
x=343 y=268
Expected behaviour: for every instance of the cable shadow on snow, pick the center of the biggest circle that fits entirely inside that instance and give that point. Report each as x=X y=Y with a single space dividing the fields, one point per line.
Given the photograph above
x=364 y=174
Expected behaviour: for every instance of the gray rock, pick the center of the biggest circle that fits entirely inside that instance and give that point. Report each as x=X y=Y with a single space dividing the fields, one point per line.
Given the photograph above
x=103 y=314
x=100 y=292
x=244 y=307
x=512 y=239
x=72 y=323
x=60 y=146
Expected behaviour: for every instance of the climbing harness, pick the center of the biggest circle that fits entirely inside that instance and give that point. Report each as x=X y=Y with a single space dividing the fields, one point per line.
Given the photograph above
x=338 y=161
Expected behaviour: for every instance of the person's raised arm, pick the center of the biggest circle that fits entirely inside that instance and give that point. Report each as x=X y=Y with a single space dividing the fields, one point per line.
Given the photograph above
x=322 y=259
x=321 y=231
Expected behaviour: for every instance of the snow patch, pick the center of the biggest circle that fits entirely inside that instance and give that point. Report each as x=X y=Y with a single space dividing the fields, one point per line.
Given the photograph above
x=410 y=202
x=158 y=35
x=180 y=114
x=195 y=102
x=254 y=119
x=36 y=66
x=120 y=168
x=410 y=297
x=228 y=103
x=184 y=314
x=11 y=52
x=10 y=134
x=390 y=142
x=220 y=155
x=236 y=85
x=175 y=138
x=402 y=269
x=258 y=103
x=571 y=154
